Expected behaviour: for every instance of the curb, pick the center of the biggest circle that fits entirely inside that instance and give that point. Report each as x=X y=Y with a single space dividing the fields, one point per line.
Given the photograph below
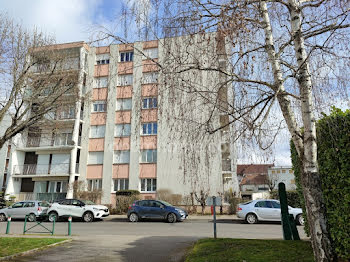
x=34 y=250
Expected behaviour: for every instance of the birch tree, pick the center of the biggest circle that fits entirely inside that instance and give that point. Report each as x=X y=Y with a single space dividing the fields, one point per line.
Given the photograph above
x=32 y=89
x=290 y=55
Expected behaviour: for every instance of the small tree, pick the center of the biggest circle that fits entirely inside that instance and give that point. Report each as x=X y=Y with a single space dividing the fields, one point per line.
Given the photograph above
x=271 y=181
x=201 y=198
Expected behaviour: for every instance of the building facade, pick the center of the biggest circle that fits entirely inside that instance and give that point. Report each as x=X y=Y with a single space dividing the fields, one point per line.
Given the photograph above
x=283 y=174
x=124 y=131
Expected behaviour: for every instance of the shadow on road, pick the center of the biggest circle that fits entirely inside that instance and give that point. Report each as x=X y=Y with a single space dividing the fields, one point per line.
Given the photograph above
x=158 y=249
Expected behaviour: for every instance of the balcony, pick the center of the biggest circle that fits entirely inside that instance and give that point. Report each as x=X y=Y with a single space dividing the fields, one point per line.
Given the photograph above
x=43 y=170
x=61 y=142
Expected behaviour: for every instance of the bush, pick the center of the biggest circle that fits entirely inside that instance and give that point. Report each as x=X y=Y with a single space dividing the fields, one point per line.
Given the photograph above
x=127 y=193
x=292 y=198
x=80 y=192
x=168 y=196
x=233 y=201
x=123 y=202
x=333 y=142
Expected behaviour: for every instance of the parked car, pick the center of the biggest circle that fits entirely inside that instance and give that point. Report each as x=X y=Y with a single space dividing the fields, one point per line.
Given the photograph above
x=33 y=208
x=266 y=210
x=155 y=209
x=85 y=209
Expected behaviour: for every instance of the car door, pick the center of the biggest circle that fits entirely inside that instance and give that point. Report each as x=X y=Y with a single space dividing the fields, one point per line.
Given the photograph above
x=263 y=209
x=155 y=210
x=77 y=208
x=28 y=207
x=276 y=211
x=144 y=208
x=64 y=207
x=16 y=210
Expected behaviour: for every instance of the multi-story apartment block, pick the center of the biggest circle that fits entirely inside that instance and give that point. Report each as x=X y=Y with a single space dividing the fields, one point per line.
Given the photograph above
x=285 y=174
x=116 y=136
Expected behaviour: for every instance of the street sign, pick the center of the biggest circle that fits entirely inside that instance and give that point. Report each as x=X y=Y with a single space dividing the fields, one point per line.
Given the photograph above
x=209 y=201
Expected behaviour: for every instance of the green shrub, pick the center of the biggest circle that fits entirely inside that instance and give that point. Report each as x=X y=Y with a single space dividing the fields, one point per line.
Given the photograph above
x=233 y=201
x=333 y=149
x=127 y=193
x=123 y=202
x=292 y=198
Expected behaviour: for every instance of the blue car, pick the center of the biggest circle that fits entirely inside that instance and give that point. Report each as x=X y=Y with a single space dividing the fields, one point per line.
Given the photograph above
x=155 y=209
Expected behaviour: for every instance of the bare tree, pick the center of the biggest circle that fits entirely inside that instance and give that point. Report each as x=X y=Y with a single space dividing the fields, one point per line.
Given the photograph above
x=201 y=197
x=271 y=181
x=35 y=79
x=283 y=54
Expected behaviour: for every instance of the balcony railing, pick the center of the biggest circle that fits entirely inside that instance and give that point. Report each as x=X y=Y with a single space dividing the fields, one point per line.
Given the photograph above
x=42 y=142
x=34 y=169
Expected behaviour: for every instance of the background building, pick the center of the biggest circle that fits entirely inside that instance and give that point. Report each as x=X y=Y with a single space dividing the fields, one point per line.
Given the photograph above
x=123 y=130
x=283 y=174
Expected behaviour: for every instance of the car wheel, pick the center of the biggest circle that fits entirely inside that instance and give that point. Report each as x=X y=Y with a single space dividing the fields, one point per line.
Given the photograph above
x=251 y=219
x=2 y=217
x=171 y=218
x=31 y=217
x=53 y=216
x=88 y=217
x=133 y=217
x=300 y=220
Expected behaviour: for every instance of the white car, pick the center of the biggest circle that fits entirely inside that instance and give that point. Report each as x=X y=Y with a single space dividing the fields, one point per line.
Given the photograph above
x=84 y=209
x=266 y=210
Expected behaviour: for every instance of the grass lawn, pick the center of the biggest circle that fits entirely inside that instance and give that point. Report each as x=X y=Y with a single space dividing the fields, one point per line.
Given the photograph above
x=12 y=245
x=249 y=250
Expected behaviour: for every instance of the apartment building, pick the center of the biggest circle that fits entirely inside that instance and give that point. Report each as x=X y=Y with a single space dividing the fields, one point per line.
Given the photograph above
x=285 y=174
x=123 y=132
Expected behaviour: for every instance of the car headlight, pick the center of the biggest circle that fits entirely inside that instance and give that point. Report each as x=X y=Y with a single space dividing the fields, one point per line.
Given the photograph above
x=180 y=211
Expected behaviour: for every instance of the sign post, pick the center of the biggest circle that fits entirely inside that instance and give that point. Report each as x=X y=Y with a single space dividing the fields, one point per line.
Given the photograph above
x=214 y=214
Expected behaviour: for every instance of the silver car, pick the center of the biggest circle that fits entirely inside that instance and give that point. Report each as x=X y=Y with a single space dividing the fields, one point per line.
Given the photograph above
x=33 y=208
x=266 y=210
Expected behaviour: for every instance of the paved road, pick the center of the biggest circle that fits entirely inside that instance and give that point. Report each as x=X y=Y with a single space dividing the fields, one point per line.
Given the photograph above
x=119 y=240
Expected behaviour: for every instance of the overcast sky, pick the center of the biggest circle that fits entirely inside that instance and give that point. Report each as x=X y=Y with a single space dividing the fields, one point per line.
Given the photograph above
x=75 y=20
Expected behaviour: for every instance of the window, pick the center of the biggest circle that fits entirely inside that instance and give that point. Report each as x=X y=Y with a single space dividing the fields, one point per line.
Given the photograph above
x=121 y=157
x=122 y=130
x=149 y=102
x=121 y=184
x=97 y=131
x=148 y=185
x=275 y=204
x=126 y=56
x=149 y=128
x=95 y=158
x=149 y=156
x=283 y=171
x=67 y=113
x=124 y=104
x=99 y=106
x=58 y=186
x=150 y=53
x=94 y=184
x=29 y=204
x=273 y=172
x=125 y=80
x=17 y=205
x=290 y=171
x=101 y=82
x=102 y=59
x=150 y=78
x=63 y=139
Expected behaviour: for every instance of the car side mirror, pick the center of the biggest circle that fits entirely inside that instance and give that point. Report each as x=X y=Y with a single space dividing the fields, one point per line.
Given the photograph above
x=162 y=206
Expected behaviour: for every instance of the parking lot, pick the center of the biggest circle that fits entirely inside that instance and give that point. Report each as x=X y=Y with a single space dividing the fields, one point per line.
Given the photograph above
x=116 y=239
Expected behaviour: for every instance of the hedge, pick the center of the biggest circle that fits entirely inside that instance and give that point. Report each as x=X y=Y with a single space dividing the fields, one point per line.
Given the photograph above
x=292 y=198
x=333 y=143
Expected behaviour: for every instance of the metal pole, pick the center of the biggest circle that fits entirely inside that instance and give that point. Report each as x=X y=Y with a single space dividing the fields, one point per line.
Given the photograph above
x=25 y=224
x=8 y=225
x=214 y=214
x=53 y=226
x=69 y=225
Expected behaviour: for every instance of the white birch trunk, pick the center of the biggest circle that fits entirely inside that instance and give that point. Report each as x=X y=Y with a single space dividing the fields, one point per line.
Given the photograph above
x=310 y=176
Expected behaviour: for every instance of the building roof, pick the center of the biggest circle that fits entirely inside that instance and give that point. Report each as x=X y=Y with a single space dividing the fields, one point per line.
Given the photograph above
x=253 y=169
x=254 y=179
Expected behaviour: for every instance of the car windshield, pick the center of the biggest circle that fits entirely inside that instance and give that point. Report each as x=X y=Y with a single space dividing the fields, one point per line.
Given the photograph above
x=43 y=204
x=165 y=203
x=88 y=202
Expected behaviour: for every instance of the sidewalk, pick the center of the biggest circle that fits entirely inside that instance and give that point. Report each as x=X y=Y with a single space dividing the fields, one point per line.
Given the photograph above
x=190 y=217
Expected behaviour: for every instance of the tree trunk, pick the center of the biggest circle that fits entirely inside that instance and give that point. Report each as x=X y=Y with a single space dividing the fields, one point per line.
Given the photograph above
x=312 y=191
